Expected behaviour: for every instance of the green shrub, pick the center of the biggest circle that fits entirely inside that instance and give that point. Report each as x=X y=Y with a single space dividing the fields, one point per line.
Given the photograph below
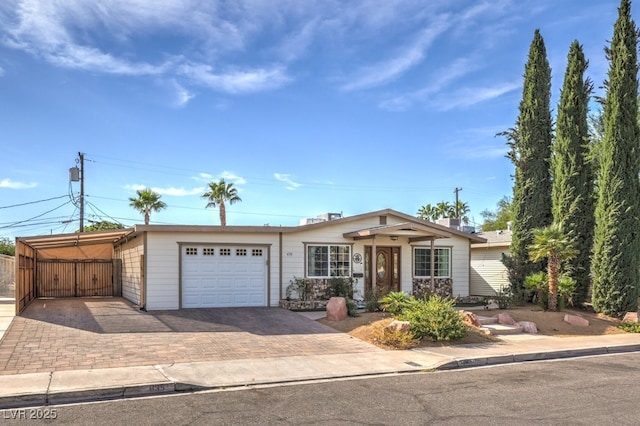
x=396 y=302
x=393 y=338
x=537 y=287
x=341 y=287
x=435 y=318
x=372 y=301
x=566 y=290
x=303 y=288
x=630 y=327
x=352 y=308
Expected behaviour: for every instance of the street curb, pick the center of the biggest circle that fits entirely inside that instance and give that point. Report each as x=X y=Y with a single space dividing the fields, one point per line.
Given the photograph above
x=536 y=356
x=176 y=387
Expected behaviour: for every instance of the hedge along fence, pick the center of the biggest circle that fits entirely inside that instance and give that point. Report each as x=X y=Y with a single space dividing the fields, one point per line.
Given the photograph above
x=7 y=275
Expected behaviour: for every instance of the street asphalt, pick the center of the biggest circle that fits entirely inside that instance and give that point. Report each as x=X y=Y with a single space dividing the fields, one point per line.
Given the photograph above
x=67 y=386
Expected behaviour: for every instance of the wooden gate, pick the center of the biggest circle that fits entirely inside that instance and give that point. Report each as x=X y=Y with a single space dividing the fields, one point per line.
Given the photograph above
x=74 y=278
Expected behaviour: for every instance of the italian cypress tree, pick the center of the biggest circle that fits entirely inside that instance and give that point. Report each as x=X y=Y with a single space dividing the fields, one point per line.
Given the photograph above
x=530 y=152
x=616 y=249
x=572 y=187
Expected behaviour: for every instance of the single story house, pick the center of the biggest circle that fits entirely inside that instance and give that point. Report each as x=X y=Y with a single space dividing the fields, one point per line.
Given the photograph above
x=193 y=266
x=488 y=274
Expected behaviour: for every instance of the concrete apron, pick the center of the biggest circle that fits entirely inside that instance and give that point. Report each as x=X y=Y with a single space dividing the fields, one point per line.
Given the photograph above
x=7 y=312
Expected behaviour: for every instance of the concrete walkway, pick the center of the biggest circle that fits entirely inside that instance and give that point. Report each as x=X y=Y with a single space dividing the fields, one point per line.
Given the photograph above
x=64 y=386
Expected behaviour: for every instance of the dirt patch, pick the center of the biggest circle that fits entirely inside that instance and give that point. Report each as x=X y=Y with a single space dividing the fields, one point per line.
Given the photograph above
x=548 y=323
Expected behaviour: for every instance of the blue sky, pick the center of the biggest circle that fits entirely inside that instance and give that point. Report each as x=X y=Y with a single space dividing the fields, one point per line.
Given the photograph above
x=307 y=106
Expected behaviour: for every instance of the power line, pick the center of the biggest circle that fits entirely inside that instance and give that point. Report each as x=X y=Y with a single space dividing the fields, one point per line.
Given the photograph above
x=33 y=202
x=35 y=217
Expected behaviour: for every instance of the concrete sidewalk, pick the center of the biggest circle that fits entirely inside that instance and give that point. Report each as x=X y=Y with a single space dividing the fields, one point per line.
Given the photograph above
x=58 y=387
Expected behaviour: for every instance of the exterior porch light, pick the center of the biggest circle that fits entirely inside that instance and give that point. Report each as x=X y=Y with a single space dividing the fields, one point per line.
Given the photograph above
x=394 y=237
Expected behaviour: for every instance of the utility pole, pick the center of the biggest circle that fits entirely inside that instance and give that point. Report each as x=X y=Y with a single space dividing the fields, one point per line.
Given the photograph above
x=76 y=175
x=456 y=191
x=81 y=157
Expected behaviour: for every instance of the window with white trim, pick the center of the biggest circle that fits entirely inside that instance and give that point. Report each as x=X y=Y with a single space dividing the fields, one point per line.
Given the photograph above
x=422 y=262
x=326 y=261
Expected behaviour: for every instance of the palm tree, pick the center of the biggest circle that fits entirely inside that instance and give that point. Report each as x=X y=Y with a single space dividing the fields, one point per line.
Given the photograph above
x=217 y=195
x=427 y=212
x=460 y=211
x=551 y=243
x=443 y=210
x=147 y=202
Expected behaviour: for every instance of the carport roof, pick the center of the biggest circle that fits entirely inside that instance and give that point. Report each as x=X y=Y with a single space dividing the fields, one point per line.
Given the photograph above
x=76 y=239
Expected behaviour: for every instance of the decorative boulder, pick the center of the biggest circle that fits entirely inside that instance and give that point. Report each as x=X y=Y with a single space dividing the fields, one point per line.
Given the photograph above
x=337 y=309
x=529 y=327
x=471 y=319
x=505 y=319
x=630 y=317
x=576 y=320
x=401 y=326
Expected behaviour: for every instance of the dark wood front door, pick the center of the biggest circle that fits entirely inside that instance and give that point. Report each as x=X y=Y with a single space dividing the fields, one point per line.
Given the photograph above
x=386 y=267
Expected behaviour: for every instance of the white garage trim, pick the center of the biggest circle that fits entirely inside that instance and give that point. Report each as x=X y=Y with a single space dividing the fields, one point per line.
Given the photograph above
x=216 y=275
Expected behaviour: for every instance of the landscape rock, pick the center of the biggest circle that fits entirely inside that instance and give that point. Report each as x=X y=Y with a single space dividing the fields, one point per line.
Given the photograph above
x=576 y=320
x=529 y=327
x=505 y=319
x=470 y=318
x=401 y=326
x=630 y=317
x=337 y=309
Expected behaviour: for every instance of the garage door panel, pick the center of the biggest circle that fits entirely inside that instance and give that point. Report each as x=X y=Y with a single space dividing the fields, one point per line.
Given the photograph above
x=227 y=277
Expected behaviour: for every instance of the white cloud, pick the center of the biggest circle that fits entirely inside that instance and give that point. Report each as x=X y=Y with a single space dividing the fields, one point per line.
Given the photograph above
x=182 y=96
x=469 y=96
x=286 y=178
x=242 y=81
x=178 y=192
x=8 y=183
x=232 y=177
x=384 y=72
x=441 y=79
x=84 y=36
x=226 y=175
x=171 y=191
x=203 y=177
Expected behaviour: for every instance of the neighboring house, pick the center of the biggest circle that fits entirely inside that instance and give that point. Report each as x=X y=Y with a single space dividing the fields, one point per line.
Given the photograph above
x=191 y=266
x=7 y=275
x=488 y=273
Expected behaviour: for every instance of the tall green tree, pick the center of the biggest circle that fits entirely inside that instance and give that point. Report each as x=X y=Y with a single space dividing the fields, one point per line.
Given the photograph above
x=572 y=188
x=103 y=225
x=616 y=250
x=147 y=201
x=530 y=152
x=219 y=194
x=7 y=246
x=552 y=244
x=496 y=220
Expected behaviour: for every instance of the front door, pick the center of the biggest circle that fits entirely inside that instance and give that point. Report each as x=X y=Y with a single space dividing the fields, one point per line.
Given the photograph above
x=386 y=267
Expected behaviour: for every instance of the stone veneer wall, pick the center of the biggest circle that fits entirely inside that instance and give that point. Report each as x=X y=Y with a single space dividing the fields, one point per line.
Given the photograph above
x=442 y=287
x=303 y=305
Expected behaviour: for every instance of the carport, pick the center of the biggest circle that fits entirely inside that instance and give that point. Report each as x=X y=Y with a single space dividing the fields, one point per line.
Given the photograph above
x=67 y=265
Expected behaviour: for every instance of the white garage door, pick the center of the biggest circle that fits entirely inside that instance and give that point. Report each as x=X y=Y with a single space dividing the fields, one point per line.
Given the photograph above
x=223 y=276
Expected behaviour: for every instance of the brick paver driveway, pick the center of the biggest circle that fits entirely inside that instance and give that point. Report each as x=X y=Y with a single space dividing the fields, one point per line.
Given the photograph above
x=67 y=334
